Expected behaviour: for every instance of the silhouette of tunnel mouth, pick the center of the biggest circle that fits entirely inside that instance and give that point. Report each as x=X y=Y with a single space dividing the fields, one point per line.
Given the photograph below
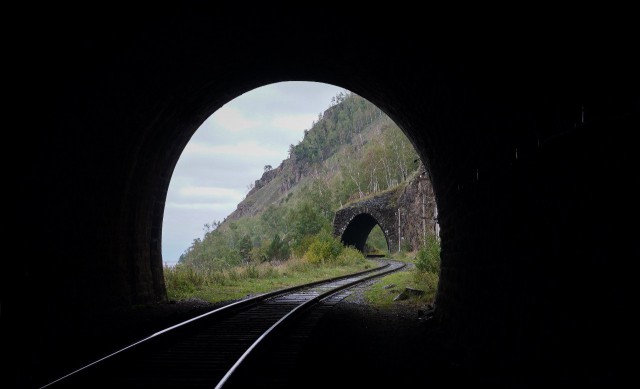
x=519 y=237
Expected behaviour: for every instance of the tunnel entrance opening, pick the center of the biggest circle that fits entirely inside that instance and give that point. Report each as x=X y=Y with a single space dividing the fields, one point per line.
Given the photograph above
x=376 y=244
x=350 y=152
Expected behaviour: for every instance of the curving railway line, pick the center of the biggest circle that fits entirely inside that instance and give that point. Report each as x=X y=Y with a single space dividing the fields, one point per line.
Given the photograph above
x=226 y=347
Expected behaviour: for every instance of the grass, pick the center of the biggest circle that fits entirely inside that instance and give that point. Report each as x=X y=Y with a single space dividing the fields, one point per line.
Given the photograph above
x=242 y=281
x=239 y=282
x=403 y=256
x=382 y=293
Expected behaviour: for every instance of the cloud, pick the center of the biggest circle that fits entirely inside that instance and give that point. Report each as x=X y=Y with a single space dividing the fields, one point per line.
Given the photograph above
x=202 y=206
x=296 y=123
x=213 y=193
x=232 y=119
x=243 y=149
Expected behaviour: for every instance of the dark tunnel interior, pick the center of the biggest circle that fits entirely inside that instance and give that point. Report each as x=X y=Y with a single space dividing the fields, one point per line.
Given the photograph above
x=358 y=230
x=529 y=141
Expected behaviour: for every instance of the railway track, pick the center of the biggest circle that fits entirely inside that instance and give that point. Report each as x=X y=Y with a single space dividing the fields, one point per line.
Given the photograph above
x=222 y=348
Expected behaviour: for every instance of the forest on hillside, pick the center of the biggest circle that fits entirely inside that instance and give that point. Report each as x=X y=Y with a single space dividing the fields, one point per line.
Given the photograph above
x=353 y=150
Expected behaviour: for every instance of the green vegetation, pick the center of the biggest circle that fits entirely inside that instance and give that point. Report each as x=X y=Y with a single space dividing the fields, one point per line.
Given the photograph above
x=282 y=235
x=353 y=150
x=234 y=283
x=428 y=257
x=424 y=276
x=376 y=242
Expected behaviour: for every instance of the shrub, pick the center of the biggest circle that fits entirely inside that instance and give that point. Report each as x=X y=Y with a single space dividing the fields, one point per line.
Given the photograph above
x=324 y=248
x=428 y=282
x=428 y=257
x=182 y=280
x=258 y=254
x=350 y=255
x=300 y=248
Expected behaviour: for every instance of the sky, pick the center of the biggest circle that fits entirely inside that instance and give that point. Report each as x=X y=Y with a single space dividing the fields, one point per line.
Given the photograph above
x=229 y=151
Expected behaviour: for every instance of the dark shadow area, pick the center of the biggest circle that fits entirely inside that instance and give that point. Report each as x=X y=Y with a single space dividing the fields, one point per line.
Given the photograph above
x=529 y=142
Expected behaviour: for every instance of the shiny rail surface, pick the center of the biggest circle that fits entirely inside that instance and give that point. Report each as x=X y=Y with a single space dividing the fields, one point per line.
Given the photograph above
x=206 y=351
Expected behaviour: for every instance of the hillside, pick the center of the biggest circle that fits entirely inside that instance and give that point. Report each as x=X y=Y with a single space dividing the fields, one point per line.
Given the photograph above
x=352 y=151
x=350 y=148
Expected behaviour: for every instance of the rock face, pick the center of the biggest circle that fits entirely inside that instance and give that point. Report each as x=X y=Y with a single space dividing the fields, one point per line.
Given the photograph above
x=266 y=178
x=405 y=214
x=417 y=205
x=287 y=175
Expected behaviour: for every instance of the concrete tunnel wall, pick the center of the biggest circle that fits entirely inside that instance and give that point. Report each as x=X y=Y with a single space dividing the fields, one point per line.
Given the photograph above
x=520 y=176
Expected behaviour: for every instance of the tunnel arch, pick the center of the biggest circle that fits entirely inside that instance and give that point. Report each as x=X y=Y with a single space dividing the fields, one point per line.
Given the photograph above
x=358 y=229
x=504 y=130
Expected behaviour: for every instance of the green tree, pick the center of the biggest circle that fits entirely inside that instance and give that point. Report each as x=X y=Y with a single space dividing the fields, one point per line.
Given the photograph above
x=273 y=219
x=304 y=221
x=245 y=247
x=278 y=249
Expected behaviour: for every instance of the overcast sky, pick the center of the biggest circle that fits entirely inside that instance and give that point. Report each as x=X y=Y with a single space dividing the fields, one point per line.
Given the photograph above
x=228 y=153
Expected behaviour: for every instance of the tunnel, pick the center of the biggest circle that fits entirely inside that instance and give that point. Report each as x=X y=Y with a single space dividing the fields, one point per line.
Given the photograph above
x=358 y=230
x=526 y=138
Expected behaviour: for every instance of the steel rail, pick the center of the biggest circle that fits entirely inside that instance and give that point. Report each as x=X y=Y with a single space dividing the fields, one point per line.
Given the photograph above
x=235 y=306
x=294 y=313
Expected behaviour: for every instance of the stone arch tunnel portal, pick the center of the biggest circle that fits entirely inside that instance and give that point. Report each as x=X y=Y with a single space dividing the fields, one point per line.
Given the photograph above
x=358 y=230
